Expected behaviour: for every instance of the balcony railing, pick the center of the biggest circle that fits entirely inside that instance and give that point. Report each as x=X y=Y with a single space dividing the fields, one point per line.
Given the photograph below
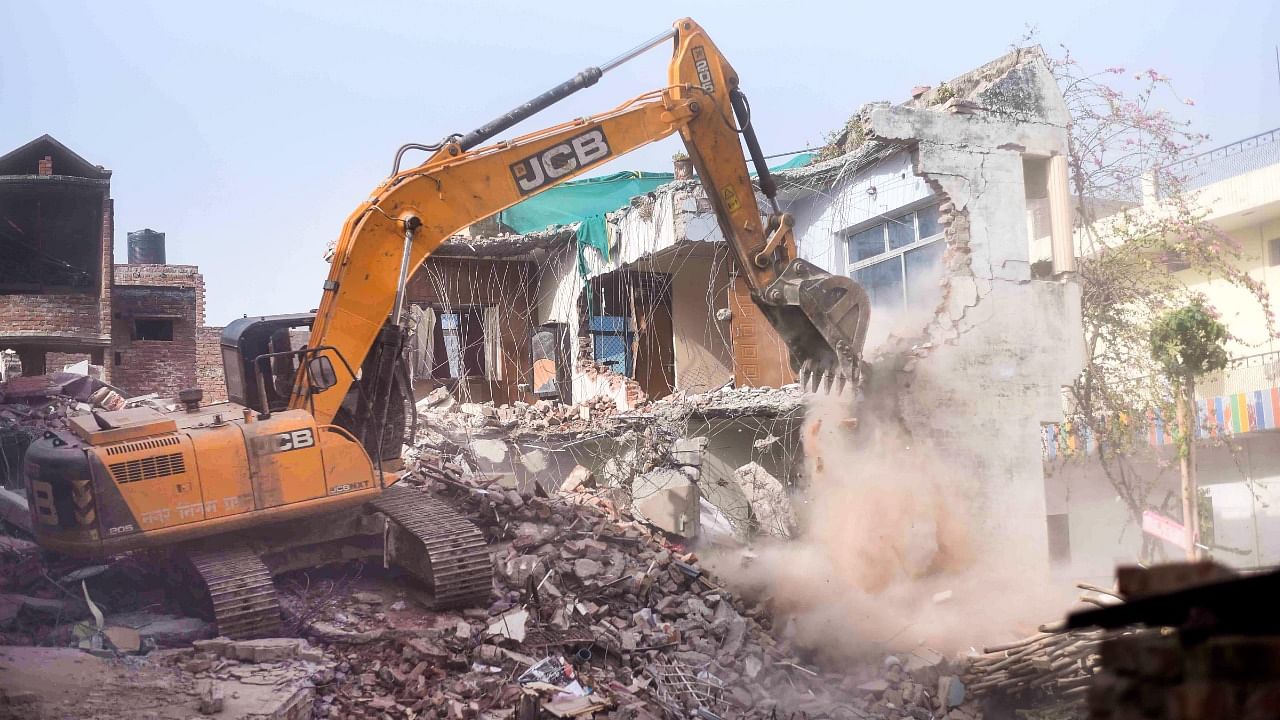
x=1231 y=160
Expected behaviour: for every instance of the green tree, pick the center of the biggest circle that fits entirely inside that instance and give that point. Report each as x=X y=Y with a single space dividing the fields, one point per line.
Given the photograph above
x=1186 y=343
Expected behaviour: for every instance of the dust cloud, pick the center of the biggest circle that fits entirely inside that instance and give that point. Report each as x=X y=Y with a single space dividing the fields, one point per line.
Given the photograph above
x=889 y=556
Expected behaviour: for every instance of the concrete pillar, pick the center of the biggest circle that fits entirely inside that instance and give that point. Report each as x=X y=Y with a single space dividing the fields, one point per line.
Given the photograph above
x=1060 y=230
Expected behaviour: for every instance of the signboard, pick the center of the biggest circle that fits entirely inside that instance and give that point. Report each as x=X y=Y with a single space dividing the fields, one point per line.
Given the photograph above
x=1153 y=523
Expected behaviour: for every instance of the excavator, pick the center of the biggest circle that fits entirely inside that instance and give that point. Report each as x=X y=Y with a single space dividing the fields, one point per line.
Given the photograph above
x=299 y=467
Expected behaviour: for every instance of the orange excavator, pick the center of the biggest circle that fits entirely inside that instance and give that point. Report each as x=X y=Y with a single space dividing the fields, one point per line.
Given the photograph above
x=297 y=469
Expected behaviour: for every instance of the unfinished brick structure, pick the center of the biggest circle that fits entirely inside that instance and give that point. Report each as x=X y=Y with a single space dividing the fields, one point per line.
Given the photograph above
x=62 y=298
x=56 y=225
x=157 y=313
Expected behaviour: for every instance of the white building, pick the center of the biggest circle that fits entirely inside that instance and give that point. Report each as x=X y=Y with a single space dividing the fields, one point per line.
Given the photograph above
x=1238 y=459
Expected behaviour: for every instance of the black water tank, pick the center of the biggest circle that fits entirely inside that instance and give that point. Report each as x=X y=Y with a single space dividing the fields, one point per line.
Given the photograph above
x=146 y=247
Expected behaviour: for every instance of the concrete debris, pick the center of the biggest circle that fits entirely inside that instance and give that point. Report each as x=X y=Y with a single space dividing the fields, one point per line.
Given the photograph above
x=578 y=479
x=599 y=607
x=163 y=630
x=768 y=499
x=597 y=614
x=211 y=698
x=123 y=639
x=594 y=613
x=44 y=682
x=688 y=451
x=669 y=500
x=442 y=417
x=509 y=626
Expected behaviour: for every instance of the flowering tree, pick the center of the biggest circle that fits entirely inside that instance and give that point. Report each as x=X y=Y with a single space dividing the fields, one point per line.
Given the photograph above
x=1123 y=146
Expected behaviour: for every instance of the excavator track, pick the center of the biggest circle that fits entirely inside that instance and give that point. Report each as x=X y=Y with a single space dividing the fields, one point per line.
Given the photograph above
x=438 y=545
x=245 y=604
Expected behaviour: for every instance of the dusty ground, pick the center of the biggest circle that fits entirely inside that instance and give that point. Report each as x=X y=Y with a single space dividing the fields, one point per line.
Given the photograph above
x=44 y=683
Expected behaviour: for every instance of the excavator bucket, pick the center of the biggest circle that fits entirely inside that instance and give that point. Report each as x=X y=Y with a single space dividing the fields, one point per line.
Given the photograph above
x=823 y=320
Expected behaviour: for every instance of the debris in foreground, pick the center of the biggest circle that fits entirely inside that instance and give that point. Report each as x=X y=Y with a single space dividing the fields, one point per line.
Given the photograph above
x=598 y=615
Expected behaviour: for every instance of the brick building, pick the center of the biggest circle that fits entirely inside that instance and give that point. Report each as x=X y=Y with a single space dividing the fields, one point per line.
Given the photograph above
x=62 y=298
x=56 y=226
x=157 y=311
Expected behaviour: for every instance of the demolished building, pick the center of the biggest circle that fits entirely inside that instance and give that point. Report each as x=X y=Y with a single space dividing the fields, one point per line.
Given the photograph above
x=951 y=209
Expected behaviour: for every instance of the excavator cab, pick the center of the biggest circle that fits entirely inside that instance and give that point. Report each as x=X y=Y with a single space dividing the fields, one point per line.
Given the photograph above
x=260 y=364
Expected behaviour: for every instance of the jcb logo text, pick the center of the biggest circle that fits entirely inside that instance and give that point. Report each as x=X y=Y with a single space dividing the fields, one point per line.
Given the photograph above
x=295 y=440
x=704 y=69
x=557 y=161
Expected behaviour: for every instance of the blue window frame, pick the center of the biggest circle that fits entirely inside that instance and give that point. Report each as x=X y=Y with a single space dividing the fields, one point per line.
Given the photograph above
x=611 y=339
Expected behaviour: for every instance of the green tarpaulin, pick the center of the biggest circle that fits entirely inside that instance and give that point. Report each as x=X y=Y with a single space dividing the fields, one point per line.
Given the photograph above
x=588 y=201
x=796 y=161
x=585 y=201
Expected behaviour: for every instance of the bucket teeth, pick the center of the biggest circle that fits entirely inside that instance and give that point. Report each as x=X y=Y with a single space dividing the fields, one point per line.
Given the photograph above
x=840 y=381
x=828 y=377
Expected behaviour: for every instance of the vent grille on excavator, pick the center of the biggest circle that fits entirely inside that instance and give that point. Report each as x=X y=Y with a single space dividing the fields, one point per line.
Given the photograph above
x=152 y=444
x=148 y=468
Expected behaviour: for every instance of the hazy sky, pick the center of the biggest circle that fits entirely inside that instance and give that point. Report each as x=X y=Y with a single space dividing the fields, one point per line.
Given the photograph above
x=249 y=131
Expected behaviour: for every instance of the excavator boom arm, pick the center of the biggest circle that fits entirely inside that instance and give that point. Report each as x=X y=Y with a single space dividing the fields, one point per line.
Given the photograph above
x=388 y=237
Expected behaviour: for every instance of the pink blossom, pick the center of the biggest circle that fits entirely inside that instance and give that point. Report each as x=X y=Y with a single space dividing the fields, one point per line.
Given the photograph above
x=1115 y=70
x=1188 y=101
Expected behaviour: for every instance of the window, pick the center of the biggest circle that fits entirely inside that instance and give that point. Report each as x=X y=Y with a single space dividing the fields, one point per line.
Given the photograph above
x=611 y=339
x=1273 y=251
x=153 y=329
x=459 y=344
x=898 y=260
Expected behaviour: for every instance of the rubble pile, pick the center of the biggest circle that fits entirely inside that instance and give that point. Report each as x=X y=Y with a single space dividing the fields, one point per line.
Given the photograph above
x=597 y=615
x=31 y=405
x=45 y=601
x=785 y=401
x=440 y=414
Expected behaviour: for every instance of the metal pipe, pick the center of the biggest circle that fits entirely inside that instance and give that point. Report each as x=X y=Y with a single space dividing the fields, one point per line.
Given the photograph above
x=411 y=226
x=584 y=79
x=640 y=49
x=742 y=109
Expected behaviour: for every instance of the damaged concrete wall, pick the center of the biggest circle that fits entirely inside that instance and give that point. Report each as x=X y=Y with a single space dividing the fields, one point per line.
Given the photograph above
x=646 y=236
x=987 y=354
x=449 y=283
x=991 y=361
x=701 y=341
